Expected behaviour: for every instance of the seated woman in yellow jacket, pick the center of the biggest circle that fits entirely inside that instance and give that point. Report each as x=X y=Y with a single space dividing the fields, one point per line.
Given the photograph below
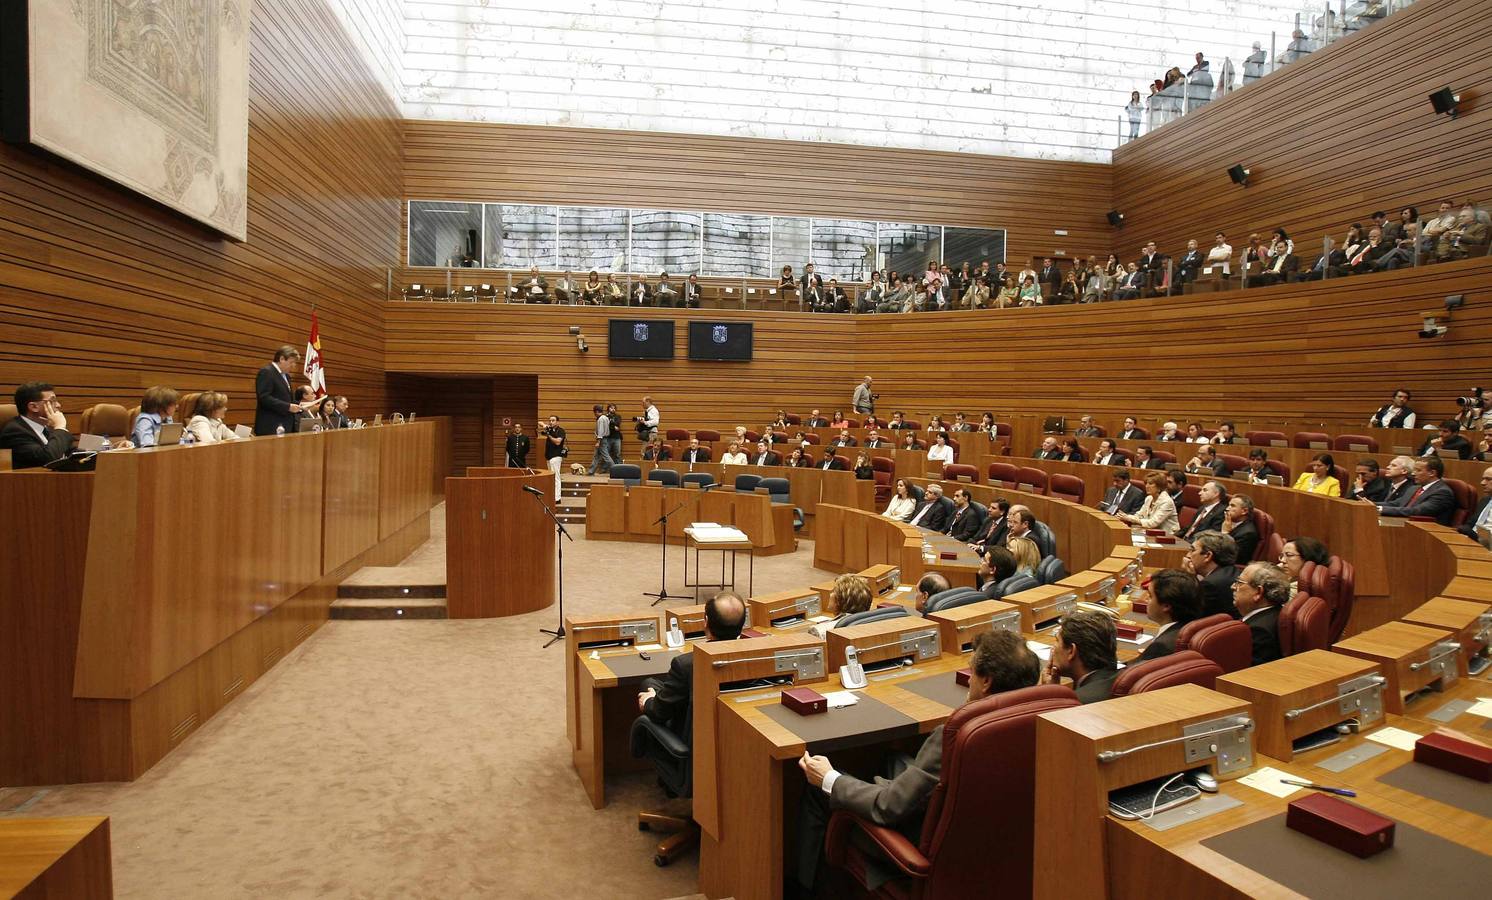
x=1320 y=480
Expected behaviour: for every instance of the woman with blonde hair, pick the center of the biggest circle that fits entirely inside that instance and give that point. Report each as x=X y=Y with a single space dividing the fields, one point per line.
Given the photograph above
x=1027 y=555
x=850 y=595
x=206 y=424
x=734 y=456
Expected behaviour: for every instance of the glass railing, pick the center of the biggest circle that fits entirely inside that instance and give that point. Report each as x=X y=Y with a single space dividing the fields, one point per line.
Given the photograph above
x=1177 y=93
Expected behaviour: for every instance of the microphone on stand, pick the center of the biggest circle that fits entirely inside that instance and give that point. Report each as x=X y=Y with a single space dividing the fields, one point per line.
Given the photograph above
x=533 y=490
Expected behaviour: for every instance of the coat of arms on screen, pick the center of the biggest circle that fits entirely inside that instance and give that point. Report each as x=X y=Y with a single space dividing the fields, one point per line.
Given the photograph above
x=639 y=331
x=717 y=334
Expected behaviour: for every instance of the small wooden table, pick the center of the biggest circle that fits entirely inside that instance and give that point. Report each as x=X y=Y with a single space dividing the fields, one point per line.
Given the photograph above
x=731 y=541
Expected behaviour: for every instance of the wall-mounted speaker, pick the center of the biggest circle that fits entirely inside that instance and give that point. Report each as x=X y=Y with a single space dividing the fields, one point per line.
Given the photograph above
x=1445 y=101
x=1240 y=175
x=1116 y=218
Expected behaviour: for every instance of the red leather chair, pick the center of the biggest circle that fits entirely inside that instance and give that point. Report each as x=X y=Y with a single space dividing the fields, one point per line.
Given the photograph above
x=954 y=444
x=1229 y=643
x=705 y=434
x=1181 y=667
x=849 y=464
x=1191 y=501
x=1068 y=487
x=1465 y=501
x=1280 y=469
x=1002 y=474
x=915 y=426
x=1334 y=583
x=1264 y=524
x=677 y=434
x=1273 y=546
x=954 y=470
x=884 y=474
x=1304 y=439
x=1036 y=478
x=989 y=763
x=793 y=419
x=1164 y=456
x=853 y=423
x=1002 y=429
x=1355 y=443
x=1234 y=463
x=1304 y=624
x=1196 y=626
x=752 y=436
x=883 y=464
x=780 y=437
x=812 y=438
x=1265 y=438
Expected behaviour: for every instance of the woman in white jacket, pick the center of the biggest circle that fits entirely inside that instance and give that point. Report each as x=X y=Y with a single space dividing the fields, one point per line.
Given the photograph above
x=206 y=425
x=902 y=505
x=1158 y=511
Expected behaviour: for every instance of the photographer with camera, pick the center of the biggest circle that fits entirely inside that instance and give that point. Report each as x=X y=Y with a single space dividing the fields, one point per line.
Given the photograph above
x=647 y=423
x=1475 y=411
x=614 y=439
x=555 y=450
x=1447 y=439
x=863 y=401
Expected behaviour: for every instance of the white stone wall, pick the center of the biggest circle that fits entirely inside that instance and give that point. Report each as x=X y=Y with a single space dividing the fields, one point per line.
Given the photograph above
x=377 y=29
x=1035 y=78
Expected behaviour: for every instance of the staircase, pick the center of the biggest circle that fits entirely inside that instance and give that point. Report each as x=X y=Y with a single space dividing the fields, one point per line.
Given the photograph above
x=574 y=491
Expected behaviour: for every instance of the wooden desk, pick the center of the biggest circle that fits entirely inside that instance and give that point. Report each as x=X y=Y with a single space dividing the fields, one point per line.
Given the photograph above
x=500 y=553
x=176 y=576
x=615 y=512
x=745 y=856
x=66 y=859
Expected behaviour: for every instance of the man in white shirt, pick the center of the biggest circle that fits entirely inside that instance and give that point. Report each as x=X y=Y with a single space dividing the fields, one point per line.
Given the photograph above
x=1107 y=455
x=1000 y=662
x=1396 y=414
x=1221 y=253
x=650 y=420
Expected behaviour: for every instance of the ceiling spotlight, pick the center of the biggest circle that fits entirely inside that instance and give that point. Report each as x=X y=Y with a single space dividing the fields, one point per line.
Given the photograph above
x=1445 y=101
x=1240 y=175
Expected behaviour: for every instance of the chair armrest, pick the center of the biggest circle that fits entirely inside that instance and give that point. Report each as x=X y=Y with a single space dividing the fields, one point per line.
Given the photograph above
x=895 y=844
x=645 y=729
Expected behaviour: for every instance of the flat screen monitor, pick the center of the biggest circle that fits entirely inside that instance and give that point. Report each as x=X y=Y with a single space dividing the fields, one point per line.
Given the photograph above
x=640 y=339
x=720 y=341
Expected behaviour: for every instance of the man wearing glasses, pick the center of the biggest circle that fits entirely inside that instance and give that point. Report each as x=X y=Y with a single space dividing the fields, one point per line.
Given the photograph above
x=38 y=434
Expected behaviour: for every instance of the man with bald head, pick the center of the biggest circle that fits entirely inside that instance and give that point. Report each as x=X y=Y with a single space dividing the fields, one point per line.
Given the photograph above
x=668 y=702
x=1479 y=524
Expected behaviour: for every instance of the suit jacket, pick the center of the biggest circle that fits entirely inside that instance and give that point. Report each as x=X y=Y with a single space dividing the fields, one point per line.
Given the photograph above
x=1164 y=644
x=1109 y=459
x=819 y=422
x=1436 y=501
x=992 y=532
x=832 y=464
x=877 y=442
x=516 y=447
x=701 y=455
x=1264 y=627
x=1246 y=536
x=1191 y=263
x=936 y=519
x=1217 y=591
x=1213 y=521
x=1469 y=529
x=964 y=524
x=275 y=397
x=1097 y=686
x=1134 y=434
x=1397 y=496
x=691 y=295
x=1153 y=462
x=772 y=459
x=847 y=442
x=1046 y=454
x=27 y=448
x=1455 y=442
x=1049 y=275
x=664 y=452
x=894 y=801
x=1375 y=490
x=1133 y=497
x=670 y=705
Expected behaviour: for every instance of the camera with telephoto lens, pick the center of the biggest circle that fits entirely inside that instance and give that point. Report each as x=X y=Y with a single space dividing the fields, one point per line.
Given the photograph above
x=1476 y=401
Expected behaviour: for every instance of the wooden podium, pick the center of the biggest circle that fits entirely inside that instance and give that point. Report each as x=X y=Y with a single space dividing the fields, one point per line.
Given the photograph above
x=500 y=555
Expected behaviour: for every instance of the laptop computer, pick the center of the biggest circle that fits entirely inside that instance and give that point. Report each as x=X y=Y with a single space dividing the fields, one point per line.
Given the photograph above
x=378 y=419
x=169 y=435
x=304 y=425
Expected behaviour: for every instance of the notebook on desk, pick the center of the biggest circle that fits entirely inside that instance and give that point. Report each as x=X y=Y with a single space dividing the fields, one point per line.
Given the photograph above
x=90 y=443
x=243 y=431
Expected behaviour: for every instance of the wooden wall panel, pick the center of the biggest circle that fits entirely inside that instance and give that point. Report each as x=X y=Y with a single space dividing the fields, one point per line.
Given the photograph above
x=104 y=293
x=1328 y=140
x=1326 y=352
x=585 y=167
x=467 y=402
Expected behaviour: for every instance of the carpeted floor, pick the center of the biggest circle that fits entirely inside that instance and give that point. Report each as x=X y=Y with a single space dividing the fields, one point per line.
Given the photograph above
x=400 y=759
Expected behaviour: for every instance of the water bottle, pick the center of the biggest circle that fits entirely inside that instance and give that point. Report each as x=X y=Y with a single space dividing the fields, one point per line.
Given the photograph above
x=279 y=431
x=105 y=446
x=186 y=439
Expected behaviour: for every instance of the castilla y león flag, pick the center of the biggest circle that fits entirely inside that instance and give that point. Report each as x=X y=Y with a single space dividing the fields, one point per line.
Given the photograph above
x=315 y=372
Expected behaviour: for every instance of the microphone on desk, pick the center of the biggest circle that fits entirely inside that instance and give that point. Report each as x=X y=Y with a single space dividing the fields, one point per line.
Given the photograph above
x=533 y=490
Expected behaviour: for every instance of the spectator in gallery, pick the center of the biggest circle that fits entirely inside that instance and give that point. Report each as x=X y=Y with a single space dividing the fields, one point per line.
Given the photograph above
x=1221 y=252
x=612 y=293
x=534 y=288
x=565 y=290
x=1133 y=110
x=1030 y=292
x=592 y=293
x=786 y=282
x=691 y=292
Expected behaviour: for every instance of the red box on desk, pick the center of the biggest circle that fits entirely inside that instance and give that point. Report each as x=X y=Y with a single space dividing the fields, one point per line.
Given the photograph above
x=962 y=676
x=1343 y=825
x=805 y=701
x=1454 y=755
x=948 y=554
x=1127 y=632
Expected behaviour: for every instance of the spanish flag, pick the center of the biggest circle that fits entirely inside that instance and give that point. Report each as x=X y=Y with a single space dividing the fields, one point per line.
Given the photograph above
x=315 y=374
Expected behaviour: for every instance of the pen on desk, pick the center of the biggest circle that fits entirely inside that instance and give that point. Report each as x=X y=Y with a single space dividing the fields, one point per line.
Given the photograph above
x=1340 y=792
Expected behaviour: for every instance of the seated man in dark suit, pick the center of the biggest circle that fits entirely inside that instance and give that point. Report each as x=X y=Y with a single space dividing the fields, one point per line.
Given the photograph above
x=1210 y=510
x=667 y=702
x=1145 y=458
x=657 y=451
x=1211 y=559
x=1431 y=496
x=1448 y=438
x=1207 y=462
x=1369 y=484
x=1123 y=497
x=830 y=462
x=1000 y=662
x=1107 y=455
x=1175 y=599
x=1049 y=449
x=1238 y=524
x=1132 y=430
x=765 y=456
x=1259 y=593
x=845 y=439
x=815 y=420
x=992 y=532
x=38 y=434
x=694 y=453
x=965 y=522
x=1087 y=651
x=935 y=510
x=1478 y=525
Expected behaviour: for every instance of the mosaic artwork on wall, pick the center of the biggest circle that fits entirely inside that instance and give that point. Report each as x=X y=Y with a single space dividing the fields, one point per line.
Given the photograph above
x=152 y=94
